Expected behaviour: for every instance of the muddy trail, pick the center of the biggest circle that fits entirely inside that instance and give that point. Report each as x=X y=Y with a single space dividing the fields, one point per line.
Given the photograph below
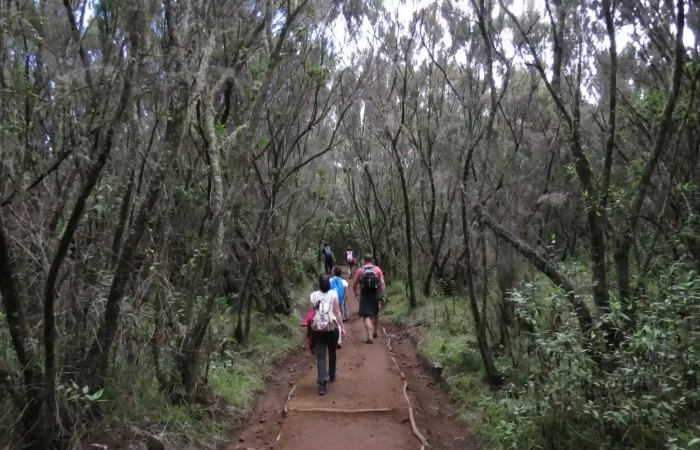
x=366 y=408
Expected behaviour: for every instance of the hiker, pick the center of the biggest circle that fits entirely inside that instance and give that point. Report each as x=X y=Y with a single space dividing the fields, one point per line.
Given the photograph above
x=340 y=285
x=325 y=330
x=327 y=254
x=350 y=259
x=369 y=280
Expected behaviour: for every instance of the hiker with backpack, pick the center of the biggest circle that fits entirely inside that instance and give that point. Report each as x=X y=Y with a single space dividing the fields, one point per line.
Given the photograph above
x=369 y=280
x=327 y=255
x=340 y=285
x=350 y=259
x=326 y=329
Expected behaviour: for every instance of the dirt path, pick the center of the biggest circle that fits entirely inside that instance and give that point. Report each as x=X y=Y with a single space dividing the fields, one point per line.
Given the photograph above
x=368 y=378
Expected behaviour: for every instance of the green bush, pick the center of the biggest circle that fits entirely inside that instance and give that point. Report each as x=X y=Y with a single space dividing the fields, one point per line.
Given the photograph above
x=305 y=267
x=564 y=392
x=235 y=376
x=642 y=395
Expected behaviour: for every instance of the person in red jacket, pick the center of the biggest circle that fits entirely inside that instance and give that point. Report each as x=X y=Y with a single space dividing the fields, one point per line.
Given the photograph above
x=369 y=281
x=307 y=323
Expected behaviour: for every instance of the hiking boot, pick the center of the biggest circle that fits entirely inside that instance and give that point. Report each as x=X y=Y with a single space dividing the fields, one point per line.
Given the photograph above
x=322 y=388
x=375 y=335
x=339 y=346
x=332 y=377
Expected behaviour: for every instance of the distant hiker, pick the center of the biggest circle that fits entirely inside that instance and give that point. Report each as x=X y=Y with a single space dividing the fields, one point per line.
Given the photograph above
x=325 y=330
x=340 y=285
x=327 y=254
x=350 y=259
x=369 y=280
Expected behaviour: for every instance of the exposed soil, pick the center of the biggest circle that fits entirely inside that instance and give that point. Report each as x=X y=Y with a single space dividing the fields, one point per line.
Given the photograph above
x=367 y=379
x=265 y=421
x=429 y=398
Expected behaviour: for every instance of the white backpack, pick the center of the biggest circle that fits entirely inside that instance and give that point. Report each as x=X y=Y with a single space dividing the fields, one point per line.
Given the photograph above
x=324 y=319
x=348 y=257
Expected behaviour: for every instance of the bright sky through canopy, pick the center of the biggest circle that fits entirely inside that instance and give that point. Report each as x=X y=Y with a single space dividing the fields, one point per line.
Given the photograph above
x=365 y=36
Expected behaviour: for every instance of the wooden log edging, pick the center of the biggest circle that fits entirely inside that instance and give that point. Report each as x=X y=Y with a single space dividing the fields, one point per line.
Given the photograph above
x=421 y=438
x=285 y=411
x=345 y=411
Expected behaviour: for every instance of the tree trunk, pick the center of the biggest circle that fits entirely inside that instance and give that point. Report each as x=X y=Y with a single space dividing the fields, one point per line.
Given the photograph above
x=435 y=263
x=188 y=358
x=19 y=331
x=123 y=218
x=505 y=279
x=98 y=356
x=626 y=236
x=65 y=242
x=493 y=375
x=409 y=237
x=583 y=315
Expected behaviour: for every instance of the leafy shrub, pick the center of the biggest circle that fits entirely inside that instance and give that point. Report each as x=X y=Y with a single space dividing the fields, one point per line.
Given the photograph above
x=567 y=392
x=305 y=266
x=641 y=395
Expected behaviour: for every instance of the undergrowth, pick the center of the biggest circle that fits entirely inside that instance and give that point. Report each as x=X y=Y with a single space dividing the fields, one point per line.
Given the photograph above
x=444 y=333
x=236 y=375
x=562 y=392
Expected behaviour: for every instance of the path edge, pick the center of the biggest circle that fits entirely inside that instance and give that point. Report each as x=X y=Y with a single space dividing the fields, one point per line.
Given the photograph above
x=436 y=374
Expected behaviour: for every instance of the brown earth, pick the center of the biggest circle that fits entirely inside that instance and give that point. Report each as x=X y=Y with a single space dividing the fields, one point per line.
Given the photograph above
x=367 y=379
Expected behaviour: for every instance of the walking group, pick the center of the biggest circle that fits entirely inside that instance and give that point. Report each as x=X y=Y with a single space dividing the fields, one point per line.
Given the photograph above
x=329 y=312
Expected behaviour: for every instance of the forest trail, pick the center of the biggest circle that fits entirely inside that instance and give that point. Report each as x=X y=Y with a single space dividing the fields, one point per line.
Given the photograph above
x=368 y=378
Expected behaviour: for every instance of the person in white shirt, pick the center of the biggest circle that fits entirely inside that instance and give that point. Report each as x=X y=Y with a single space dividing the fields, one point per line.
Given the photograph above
x=350 y=259
x=326 y=329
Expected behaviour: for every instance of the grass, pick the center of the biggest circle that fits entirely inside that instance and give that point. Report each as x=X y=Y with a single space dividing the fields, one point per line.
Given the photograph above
x=444 y=331
x=548 y=401
x=235 y=379
x=239 y=383
x=188 y=420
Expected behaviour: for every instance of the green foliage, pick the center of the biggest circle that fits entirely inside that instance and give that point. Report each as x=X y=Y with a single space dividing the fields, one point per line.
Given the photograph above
x=75 y=394
x=445 y=335
x=563 y=393
x=263 y=142
x=639 y=396
x=305 y=265
x=455 y=352
x=191 y=420
x=319 y=73
x=235 y=377
x=397 y=308
x=653 y=102
x=240 y=374
x=236 y=386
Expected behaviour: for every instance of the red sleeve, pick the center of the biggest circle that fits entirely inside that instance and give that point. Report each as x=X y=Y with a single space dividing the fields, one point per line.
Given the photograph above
x=380 y=274
x=358 y=274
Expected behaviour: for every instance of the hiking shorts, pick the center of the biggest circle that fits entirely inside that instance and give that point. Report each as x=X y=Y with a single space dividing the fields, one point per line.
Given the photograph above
x=369 y=305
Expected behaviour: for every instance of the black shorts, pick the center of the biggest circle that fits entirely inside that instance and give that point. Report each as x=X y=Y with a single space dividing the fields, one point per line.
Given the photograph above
x=369 y=305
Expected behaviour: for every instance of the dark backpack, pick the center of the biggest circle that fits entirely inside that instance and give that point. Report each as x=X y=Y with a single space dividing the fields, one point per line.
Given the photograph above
x=370 y=280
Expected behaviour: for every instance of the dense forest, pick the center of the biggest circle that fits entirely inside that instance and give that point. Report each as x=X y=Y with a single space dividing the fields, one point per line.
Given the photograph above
x=169 y=171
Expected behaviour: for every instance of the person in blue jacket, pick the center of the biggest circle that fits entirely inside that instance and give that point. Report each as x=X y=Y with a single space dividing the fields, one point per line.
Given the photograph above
x=340 y=285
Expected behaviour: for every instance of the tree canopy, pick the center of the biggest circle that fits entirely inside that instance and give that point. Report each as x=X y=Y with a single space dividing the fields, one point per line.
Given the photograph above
x=169 y=171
